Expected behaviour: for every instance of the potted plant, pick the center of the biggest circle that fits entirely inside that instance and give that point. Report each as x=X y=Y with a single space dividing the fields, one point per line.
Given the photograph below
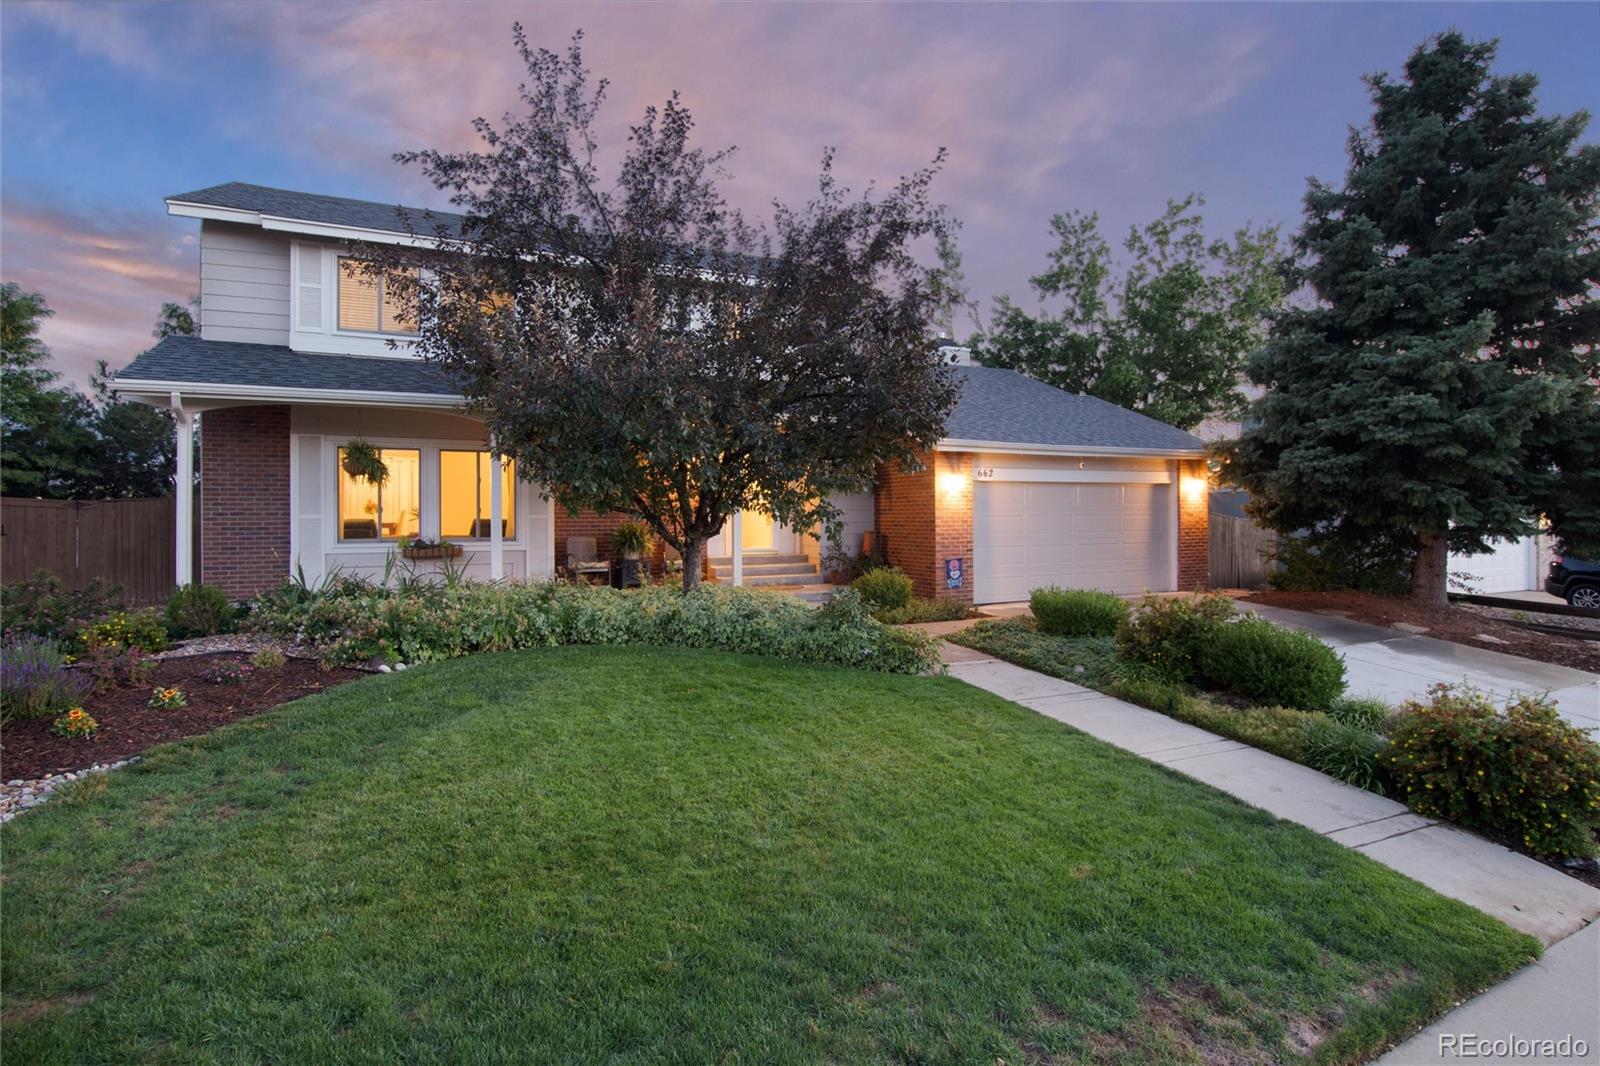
x=837 y=564
x=361 y=460
x=423 y=548
x=631 y=540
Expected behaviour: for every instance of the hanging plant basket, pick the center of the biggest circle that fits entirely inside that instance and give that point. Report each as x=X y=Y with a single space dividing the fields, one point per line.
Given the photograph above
x=361 y=460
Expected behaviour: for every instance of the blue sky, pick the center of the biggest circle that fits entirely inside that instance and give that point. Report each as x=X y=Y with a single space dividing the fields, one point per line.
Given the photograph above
x=105 y=109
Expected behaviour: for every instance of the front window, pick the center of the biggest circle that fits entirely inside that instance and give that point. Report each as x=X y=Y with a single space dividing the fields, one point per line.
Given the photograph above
x=465 y=480
x=366 y=304
x=386 y=512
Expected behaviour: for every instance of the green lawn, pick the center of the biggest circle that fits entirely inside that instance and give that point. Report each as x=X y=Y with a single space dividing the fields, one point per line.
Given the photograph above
x=667 y=855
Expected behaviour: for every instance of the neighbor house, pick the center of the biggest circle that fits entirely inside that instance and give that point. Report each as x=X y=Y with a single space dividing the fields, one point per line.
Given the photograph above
x=1030 y=486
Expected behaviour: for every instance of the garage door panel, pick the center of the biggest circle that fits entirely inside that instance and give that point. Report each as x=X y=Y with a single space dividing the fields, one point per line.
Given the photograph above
x=1115 y=537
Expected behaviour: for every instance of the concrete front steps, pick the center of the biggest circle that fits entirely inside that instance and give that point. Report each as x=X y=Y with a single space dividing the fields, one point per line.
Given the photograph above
x=794 y=574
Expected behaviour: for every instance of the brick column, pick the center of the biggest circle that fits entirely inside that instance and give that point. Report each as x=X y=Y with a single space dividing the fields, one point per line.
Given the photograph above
x=952 y=521
x=1194 y=525
x=244 y=499
x=927 y=515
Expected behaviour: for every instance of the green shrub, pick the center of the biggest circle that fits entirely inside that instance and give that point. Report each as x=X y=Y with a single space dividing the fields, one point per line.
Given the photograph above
x=269 y=658
x=921 y=609
x=1272 y=665
x=1077 y=612
x=121 y=630
x=198 y=611
x=352 y=621
x=1375 y=563
x=1346 y=751
x=1524 y=773
x=1280 y=730
x=41 y=605
x=1084 y=660
x=1360 y=712
x=1166 y=633
x=886 y=588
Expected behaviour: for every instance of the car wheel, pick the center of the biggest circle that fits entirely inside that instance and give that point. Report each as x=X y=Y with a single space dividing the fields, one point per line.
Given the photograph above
x=1585 y=596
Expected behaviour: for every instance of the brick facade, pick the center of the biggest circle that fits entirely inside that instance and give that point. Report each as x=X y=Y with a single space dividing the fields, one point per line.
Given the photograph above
x=600 y=527
x=927 y=515
x=244 y=499
x=1194 y=526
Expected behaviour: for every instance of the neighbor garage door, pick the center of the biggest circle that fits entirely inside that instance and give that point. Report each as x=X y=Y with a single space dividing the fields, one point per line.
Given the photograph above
x=1510 y=567
x=1103 y=535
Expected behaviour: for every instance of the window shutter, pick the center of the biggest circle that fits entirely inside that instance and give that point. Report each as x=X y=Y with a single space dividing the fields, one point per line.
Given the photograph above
x=308 y=287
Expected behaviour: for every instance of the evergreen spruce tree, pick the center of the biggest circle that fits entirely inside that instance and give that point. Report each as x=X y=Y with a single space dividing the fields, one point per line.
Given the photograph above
x=1441 y=387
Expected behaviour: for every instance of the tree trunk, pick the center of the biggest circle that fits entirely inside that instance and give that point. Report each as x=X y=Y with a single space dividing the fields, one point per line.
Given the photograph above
x=1430 y=570
x=694 y=551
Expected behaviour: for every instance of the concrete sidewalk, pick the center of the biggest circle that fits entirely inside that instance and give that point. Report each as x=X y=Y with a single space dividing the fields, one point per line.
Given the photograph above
x=1525 y=894
x=1395 y=666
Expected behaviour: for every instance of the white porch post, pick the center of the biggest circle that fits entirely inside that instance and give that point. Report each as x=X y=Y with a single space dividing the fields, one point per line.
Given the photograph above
x=183 y=494
x=497 y=558
x=738 y=547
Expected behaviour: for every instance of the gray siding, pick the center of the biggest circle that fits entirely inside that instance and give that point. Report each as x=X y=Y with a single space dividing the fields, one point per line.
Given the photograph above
x=244 y=284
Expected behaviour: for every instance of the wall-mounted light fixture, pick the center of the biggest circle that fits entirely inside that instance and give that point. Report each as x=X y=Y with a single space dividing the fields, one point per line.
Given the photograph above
x=953 y=483
x=1194 y=490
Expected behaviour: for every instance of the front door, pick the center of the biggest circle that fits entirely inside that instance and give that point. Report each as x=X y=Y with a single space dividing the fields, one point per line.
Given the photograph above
x=755 y=531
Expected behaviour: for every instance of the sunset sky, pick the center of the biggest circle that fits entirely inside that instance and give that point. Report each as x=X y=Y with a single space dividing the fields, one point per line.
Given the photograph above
x=1044 y=108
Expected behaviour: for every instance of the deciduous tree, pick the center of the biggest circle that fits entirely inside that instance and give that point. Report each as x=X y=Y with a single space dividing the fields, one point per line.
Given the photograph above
x=635 y=344
x=1167 y=333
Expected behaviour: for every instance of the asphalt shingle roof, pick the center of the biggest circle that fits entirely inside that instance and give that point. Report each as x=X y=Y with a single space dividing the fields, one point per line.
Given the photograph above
x=996 y=405
x=200 y=362
x=1003 y=405
x=314 y=207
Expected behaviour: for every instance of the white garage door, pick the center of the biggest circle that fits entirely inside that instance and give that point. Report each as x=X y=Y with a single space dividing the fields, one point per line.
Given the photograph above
x=1510 y=567
x=1116 y=537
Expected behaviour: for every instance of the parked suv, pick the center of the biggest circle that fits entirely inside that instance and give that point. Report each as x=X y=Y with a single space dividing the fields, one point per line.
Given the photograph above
x=1575 y=580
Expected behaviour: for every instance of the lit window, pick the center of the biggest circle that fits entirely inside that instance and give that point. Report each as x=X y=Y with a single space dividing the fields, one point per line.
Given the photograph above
x=367 y=306
x=386 y=512
x=465 y=479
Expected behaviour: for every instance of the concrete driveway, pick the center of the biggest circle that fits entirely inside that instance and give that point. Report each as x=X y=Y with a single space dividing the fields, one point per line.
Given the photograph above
x=1396 y=666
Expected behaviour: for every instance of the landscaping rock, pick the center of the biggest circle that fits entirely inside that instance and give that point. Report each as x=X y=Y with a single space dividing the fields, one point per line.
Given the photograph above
x=18 y=795
x=1410 y=627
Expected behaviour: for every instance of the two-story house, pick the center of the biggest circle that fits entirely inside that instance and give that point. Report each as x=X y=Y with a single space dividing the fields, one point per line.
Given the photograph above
x=1031 y=485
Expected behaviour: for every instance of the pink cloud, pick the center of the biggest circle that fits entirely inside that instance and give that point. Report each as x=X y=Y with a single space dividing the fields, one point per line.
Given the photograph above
x=104 y=274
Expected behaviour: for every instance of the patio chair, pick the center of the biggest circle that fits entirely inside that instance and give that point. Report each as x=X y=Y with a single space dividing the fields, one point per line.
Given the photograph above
x=583 y=560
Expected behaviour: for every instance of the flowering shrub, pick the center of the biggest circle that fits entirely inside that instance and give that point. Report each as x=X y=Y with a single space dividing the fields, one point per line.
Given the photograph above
x=1168 y=633
x=42 y=606
x=353 y=621
x=109 y=667
x=35 y=680
x=225 y=672
x=75 y=723
x=120 y=630
x=1524 y=773
x=167 y=698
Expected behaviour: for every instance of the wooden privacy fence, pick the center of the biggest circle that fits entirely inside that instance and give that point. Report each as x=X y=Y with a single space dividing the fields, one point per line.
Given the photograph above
x=123 y=542
x=1240 y=553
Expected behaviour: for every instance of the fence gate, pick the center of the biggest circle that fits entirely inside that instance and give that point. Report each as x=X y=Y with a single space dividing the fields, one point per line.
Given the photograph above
x=123 y=542
x=1240 y=552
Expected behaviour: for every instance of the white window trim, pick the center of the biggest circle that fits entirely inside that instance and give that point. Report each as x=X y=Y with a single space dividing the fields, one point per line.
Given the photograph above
x=427 y=496
x=331 y=340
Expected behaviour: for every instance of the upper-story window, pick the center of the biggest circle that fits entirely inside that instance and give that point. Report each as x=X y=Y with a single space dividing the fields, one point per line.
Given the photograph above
x=366 y=304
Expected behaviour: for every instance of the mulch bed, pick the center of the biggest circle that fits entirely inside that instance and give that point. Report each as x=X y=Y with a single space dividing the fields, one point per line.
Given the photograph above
x=29 y=750
x=1458 y=624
